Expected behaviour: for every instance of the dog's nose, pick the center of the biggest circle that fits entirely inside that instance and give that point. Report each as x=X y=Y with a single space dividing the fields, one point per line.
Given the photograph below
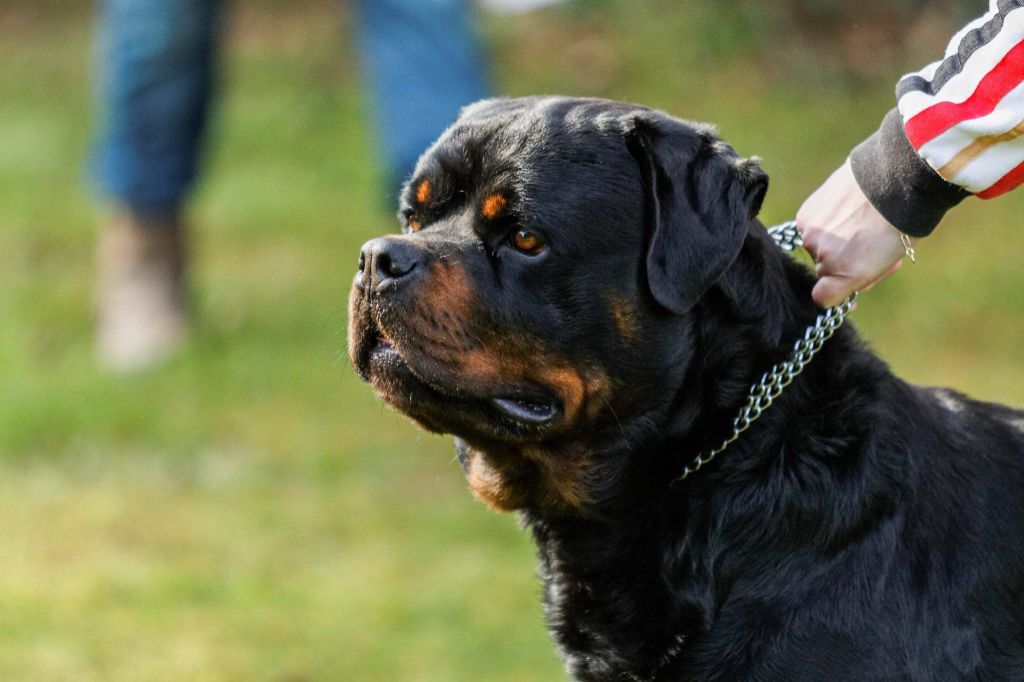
x=387 y=261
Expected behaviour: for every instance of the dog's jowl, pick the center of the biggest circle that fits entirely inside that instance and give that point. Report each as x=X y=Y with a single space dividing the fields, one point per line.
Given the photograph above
x=582 y=295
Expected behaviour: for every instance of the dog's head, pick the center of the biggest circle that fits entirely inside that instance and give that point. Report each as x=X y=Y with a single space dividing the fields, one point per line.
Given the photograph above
x=535 y=304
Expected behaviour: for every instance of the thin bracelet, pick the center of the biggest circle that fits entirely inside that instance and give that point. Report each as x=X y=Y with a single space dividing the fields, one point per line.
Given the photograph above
x=908 y=247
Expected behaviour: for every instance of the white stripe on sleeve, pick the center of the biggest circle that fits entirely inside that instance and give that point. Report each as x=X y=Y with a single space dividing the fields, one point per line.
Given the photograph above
x=941 y=149
x=989 y=166
x=979 y=63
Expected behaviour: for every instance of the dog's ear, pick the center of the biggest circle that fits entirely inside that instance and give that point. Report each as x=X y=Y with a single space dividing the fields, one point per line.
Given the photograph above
x=701 y=196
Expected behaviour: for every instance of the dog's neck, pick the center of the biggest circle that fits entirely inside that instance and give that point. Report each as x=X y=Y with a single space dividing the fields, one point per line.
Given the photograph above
x=650 y=566
x=743 y=325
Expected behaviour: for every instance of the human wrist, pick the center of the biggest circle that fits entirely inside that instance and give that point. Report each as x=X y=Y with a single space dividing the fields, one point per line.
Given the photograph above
x=901 y=185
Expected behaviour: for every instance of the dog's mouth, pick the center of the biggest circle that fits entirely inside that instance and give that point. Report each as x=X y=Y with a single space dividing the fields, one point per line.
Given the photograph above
x=407 y=379
x=527 y=411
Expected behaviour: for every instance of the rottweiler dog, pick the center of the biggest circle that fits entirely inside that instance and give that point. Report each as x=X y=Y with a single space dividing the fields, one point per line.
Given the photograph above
x=583 y=296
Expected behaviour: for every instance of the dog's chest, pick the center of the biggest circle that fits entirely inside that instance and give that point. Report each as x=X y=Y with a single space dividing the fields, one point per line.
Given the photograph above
x=632 y=621
x=608 y=633
x=610 y=609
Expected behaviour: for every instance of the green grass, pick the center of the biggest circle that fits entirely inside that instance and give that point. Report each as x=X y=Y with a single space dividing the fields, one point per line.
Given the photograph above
x=249 y=511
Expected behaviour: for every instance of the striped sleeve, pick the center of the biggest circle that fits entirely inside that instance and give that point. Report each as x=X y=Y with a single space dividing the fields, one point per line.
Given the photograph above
x=965 y=114
x=962 y=117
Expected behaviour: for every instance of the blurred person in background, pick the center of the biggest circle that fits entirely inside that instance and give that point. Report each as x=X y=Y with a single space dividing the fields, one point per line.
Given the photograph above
x=157 y=63
x=957 y=130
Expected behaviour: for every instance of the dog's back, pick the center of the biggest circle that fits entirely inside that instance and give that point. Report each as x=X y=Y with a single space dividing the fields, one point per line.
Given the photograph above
x=941 y=581
x=963 y=541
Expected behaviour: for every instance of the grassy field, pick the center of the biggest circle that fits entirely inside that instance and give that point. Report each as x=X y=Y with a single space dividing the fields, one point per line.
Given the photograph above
x=249 y=511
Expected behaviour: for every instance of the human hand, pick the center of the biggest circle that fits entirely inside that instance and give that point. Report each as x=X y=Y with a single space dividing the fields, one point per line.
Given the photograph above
x=853 y=246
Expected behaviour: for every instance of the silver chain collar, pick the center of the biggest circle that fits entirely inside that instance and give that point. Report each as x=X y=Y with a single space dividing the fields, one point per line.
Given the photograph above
x=764 y=392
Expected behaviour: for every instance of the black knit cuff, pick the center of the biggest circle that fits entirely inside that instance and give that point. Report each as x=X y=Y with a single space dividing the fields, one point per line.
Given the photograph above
x=899 y=183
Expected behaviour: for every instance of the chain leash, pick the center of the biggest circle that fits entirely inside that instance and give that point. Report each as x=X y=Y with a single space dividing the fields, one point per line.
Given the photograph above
x=764 y=392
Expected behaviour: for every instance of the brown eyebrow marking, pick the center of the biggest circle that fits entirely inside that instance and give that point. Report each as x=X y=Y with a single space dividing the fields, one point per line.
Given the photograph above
x=493 y=205
x=423 y=192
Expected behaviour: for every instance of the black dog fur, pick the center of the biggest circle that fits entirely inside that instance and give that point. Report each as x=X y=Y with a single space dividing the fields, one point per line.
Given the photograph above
x=863 y=529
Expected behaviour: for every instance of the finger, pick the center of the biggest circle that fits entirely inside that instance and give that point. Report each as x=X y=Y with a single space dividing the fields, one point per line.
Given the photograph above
x=811 y=237
x=830 y=291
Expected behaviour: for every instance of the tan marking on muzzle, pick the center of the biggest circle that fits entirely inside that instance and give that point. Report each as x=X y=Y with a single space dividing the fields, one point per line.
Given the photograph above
x=568 y=385
x=576 y=394
x=496 y=357
x=449 y=287
x=492 y=359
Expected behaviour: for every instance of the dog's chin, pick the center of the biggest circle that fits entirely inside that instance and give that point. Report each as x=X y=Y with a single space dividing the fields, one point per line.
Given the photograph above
x=439 y=402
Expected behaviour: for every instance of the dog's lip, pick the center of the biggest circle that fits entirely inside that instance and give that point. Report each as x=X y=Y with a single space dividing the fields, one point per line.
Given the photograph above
x=382 y=354
x=379 y=340
x=526 y=410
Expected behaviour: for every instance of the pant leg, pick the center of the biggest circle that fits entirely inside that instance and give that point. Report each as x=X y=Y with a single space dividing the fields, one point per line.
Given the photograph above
x=422 y=63
x=156 y=64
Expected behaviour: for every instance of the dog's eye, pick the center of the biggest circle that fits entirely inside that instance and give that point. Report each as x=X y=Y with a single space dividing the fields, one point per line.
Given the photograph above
x=528 y=242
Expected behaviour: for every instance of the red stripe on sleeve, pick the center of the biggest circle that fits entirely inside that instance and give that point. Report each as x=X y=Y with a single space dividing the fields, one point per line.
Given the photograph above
x=1003 y=184
x=940 y=117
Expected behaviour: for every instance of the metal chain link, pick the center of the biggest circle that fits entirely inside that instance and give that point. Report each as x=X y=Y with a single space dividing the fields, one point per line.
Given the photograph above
x=764 y=392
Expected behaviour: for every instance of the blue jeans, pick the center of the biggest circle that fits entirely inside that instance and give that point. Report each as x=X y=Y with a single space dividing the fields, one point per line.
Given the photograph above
x=156 y=61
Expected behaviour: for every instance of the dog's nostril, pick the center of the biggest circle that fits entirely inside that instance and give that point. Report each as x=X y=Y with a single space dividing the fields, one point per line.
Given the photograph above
x=383 y=266
x=388 y=265
x=387 y=260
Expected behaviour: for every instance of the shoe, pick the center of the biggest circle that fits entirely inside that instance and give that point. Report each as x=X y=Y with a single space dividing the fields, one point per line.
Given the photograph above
x=140 y=293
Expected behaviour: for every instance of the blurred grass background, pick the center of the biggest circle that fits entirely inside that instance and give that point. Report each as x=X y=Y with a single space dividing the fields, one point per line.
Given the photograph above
x=249 y=511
